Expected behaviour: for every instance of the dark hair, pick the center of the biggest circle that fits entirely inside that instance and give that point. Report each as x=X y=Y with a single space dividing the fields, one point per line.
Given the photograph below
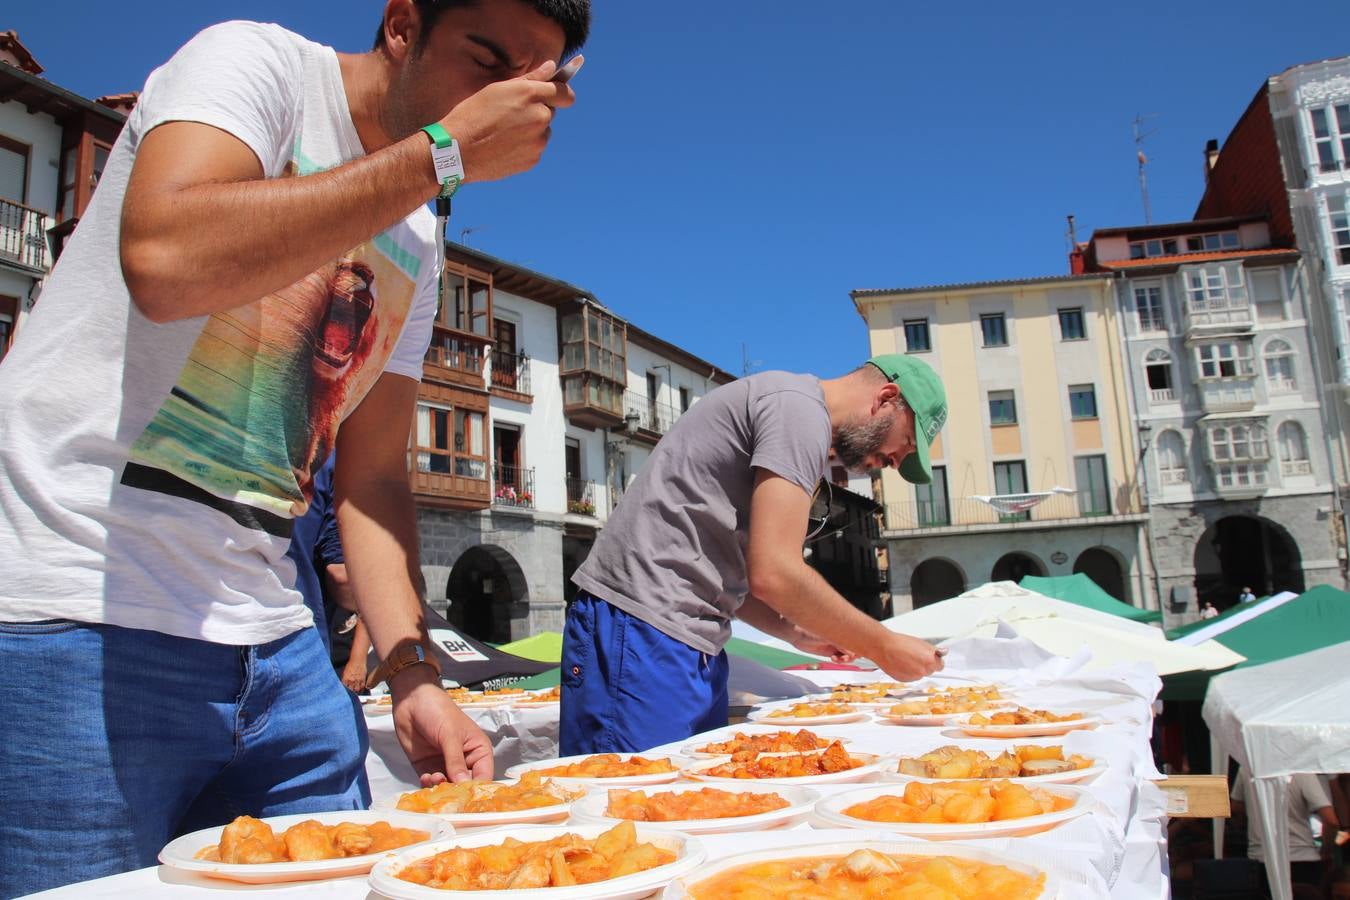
x=573 y=16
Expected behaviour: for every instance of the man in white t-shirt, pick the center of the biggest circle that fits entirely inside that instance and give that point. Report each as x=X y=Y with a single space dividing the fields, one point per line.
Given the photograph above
x=1309 y=799
x=257 y=267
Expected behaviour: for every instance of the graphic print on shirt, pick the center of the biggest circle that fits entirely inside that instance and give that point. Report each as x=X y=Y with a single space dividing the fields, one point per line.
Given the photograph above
x=255 y=411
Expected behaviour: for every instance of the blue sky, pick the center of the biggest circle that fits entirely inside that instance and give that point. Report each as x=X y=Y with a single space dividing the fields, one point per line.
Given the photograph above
x=733 y=168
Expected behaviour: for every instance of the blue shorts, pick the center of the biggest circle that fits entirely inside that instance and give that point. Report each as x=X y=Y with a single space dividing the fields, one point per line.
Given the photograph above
x=627 y=687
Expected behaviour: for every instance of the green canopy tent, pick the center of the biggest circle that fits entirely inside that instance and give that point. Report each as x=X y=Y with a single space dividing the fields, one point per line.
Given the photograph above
x=772 y=657
x=1315 y=619
x=1083 y=591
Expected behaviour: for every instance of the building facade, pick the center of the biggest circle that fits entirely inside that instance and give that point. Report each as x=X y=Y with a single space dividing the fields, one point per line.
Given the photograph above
x=537 y=408
x=1034 y=472
x=1238 y=466
x=53 y=145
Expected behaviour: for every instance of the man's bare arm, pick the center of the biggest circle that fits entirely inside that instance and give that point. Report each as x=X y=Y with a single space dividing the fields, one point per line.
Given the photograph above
x=203 y=231
x=781 y=578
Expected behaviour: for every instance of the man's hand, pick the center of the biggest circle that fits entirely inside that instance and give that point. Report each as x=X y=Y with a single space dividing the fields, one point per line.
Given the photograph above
x=907 y=658
x=441 y=742
x=503 y=129
x=807 y=642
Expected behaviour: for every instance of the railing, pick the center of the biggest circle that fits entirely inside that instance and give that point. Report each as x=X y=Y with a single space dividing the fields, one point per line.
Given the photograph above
x=23 y=236
x=581 y=497
x=1162 y=395
x=1294 y=467
x=458 y=352
x=1228 y=394
x=1174 y=476
x=1280 y=384
x=652 y=415
x=513 y=486
x=969 y=511
x=1239 y=478
x=1203 y=314
x=511 y=371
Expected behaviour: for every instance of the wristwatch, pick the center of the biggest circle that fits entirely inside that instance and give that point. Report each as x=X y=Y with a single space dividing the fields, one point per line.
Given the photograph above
x=445 y=157
x=402 y=657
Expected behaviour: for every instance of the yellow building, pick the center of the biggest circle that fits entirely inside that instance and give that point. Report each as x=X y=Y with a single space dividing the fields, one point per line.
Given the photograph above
x=1035 y=471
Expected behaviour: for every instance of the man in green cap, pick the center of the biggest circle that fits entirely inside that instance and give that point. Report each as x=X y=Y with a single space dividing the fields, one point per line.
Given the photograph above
x=713 y=528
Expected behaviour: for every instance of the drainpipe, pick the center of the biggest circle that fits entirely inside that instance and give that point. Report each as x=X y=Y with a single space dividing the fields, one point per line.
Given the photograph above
x=1141 y=475
x=1301 y=270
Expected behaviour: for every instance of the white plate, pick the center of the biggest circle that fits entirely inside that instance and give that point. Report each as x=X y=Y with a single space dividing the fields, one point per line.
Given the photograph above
x=763 y=717
x=591 y=809
x=679 y=890
x=540 y=815
x=180 y=853
x=1032 y=729
x=534 y=704
x=691 y=749
x=620 y=781
x=1076 y=776
x=870 y=768
x=831 y=811
x=629 y=887
x=859 y=704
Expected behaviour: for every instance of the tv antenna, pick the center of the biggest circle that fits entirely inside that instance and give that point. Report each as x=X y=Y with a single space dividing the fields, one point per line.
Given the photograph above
x=747 y=363
x=465 y=232
x=1139 y=135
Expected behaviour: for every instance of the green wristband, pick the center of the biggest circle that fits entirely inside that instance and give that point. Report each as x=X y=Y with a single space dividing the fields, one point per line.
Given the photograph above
x=445 y=158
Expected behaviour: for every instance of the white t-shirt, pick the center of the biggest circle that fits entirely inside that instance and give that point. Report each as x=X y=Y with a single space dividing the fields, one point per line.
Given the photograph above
x=149 y=473
x=1307 y=794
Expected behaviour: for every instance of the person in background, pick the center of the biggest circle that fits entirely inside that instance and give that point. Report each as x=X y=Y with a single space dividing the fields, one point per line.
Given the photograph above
x=1309 y=799
x=713 y=528
x=1208 y=611
x=1246 y=596
x=257 y=267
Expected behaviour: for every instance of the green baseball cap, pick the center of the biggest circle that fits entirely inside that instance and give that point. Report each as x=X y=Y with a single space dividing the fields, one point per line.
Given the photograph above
x=922 y=390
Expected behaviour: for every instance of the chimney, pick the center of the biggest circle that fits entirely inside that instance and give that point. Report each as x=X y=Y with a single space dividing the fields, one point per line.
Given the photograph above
x=1211 y=157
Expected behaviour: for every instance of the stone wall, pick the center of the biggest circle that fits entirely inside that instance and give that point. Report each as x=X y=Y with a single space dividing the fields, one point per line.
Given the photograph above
x=527 y=545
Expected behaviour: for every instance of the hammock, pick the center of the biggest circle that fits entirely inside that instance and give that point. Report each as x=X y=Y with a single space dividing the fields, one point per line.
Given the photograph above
x=1009 y=504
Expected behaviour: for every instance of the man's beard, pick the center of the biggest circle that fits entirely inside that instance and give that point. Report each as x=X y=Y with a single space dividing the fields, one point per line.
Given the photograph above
x=857 y=441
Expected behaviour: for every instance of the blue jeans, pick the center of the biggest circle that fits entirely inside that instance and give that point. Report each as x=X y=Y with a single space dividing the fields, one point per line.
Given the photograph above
x=627 y=687
x=117 y=740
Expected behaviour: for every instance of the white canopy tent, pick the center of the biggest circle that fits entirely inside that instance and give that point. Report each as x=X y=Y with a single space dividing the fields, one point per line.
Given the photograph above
x=1061 y=627
x=1276 y=720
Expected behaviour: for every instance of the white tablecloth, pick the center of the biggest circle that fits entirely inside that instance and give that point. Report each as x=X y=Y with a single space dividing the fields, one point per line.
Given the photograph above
x=1117 y=852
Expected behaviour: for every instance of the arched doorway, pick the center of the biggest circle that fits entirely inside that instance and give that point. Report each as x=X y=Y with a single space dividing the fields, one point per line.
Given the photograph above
x=1245 y=551
x=1016 y=566
x=934 y=580
x=486 y=586
x=1104 y=569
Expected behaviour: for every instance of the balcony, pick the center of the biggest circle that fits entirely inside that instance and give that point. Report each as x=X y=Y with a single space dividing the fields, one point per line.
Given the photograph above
x=1174 y=477
x=1162 y=395
x=1239 y=480
x=453 y=481
x=647 y=419
x=1235 y=394
x=513 y=487
x=23 y=237
x=511 y=376
x=1217 y=314
x=1294 y=468
x=969 y=514
x=456 y=357
x=581 y=497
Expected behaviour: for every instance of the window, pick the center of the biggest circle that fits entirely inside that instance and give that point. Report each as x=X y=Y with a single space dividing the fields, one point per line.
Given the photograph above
x=1002 y=408
x=594 y=360
x=1293 y=445
x=1240 y=443
x=1331 y=136
x=450 y=441
x=994 y=329
x=1071 y=324
x=1225 y=240
x=1142 y=249
x=1094 y=493
x=1218 y=288
x=13 y=170
x=1340 y=229
x=1158 y=369
x=9 y=308
x=1280 y=376
x=1082 y=401
x=1011 y=478
x=932 y=500
x=916 y=336
x=1227 y=360
x=684 y=399
x=1148 y=307
x=571 y=458
x=1171 y=452
x=1266 y=294
x=466 y=301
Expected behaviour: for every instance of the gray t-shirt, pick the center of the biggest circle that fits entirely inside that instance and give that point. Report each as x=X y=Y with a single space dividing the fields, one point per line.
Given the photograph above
x=673 y=552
